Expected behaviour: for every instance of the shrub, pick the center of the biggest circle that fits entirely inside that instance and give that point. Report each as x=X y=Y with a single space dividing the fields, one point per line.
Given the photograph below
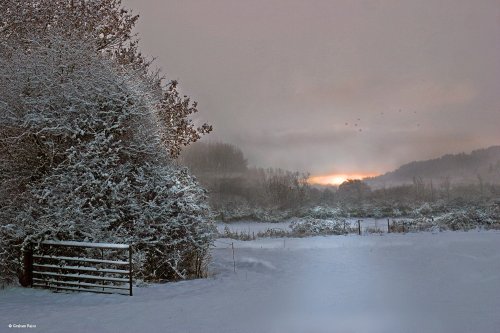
x=311 y=227
x=85 y=155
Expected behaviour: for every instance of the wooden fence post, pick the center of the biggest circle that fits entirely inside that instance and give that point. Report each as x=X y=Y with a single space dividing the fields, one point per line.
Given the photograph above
x=130 y=268
x=359 y=227
x=234 y=262
x=27 y=274
x=388 y=227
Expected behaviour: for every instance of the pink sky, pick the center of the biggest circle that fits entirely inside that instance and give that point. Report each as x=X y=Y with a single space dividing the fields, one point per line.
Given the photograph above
x=281 y=78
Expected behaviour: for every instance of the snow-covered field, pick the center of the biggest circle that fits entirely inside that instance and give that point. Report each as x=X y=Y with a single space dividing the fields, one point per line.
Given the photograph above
x=401 y=283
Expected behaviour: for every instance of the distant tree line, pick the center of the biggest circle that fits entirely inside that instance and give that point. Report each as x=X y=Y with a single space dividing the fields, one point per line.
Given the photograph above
x=237 y=191
x=223 y=170
x=480 y=165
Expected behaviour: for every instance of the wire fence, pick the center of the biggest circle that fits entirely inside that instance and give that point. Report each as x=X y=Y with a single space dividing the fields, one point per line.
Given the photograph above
x=354 y=226
x=229 y=245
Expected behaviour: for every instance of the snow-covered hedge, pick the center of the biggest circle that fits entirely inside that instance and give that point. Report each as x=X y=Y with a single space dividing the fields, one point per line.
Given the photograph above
x=458 y=219
x=324 y=212
x=312 y=226
x=465 y=220
x=11 y=242
x=83 y=157
x=413 y=225
x=240 y=211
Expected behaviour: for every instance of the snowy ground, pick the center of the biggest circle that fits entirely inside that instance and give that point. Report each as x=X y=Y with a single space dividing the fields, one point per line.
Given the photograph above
x=401 y=283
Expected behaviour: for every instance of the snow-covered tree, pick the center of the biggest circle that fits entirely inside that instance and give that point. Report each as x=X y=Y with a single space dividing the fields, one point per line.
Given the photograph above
x=86 y=141
x=109 y=27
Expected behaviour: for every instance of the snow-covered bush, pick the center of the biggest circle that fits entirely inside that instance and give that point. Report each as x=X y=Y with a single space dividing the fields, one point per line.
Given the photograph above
x=275 y=233
x=11 y=242
x=311 y=227
x=455 y=221
x=265 y=215
x=324 y=212
x=241 y=235
x=413 y=225
x=378 y=212
x=465 y=219
x=239 y=210
x=85 y=146
x=424 y=210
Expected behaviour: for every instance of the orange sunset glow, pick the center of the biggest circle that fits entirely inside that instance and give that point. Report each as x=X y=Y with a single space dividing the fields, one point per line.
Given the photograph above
x=337 y=179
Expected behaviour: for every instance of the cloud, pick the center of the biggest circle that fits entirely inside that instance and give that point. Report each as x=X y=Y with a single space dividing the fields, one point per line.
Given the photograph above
x=362 y=93
x=282 y=78
x=283 y=139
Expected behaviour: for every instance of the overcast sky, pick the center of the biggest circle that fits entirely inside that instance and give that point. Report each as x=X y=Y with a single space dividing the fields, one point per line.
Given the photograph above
x=337 y=86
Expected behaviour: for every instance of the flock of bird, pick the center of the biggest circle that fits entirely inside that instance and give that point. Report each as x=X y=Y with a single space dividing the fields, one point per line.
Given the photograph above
x=357 y=123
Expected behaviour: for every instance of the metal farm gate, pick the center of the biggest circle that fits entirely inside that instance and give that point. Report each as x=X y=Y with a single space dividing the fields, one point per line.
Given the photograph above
x=80 y=266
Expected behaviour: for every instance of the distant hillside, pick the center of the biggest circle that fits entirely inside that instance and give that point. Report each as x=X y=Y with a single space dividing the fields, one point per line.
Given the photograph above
x=461 y=168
